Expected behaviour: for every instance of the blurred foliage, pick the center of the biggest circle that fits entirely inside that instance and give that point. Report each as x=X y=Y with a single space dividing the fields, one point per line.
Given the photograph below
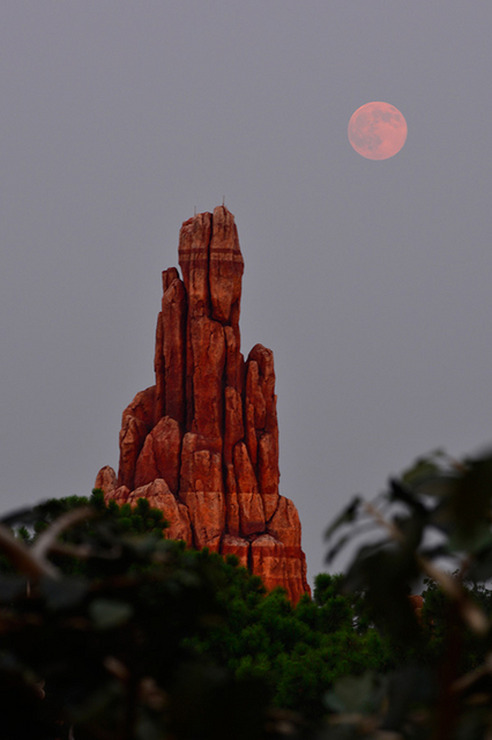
x=109 y=631
x=93 y=621
x=107 y=627
x=430 y=530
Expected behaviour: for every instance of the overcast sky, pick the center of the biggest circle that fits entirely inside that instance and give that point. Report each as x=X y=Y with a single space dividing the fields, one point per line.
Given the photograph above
x=370 y=280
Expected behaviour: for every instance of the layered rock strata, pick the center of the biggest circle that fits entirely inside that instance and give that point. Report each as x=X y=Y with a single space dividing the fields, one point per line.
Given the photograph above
x=202 y=443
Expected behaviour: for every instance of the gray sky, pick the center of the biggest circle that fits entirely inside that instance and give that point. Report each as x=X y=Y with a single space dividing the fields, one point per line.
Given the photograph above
x=370 y=280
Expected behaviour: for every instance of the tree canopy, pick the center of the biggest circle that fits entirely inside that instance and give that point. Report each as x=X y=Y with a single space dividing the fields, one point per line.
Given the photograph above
x=109 y=631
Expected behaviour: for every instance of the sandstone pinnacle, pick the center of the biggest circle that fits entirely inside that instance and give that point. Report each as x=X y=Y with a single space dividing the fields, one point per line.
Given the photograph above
x=202 y=443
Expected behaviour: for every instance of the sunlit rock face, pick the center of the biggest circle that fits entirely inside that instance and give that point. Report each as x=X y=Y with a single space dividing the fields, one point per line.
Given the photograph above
x=202 y=443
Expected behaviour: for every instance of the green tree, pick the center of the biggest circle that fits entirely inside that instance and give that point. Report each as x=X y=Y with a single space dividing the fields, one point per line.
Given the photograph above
x=98 y=605
x=108 y=627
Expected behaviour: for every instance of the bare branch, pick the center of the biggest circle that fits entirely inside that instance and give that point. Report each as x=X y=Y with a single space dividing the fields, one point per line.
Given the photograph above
x=46 y=540
x=391 y=528
x=84 y=552
x=464 y=683
x=23 y=557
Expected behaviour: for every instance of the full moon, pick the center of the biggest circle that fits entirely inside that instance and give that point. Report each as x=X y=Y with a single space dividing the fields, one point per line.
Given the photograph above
x=377 y=130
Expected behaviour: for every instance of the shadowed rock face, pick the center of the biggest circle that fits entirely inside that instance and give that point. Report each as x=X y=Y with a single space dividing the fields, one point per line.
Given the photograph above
x=202 y=443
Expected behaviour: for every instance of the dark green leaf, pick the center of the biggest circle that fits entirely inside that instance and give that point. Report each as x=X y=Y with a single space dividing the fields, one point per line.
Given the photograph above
x=64 y=593
x=347 y=516
x=106 y=613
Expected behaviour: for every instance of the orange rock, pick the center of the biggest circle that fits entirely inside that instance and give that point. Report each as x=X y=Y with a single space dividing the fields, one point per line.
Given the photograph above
x=201 y=489
x=251 y=511
x=237 y=546
x=194 y=243
x=250 y=430
x=170 y=335
x=207 y=514
x=417 y=604
x=120 y=495
x=202 y=444
x=201 y=464
x=254 y=395
x=234 y=360
x=232 y=502
x=207 y=344
x=174 y=343
x=284 y=524
x=268 y=472
x=226 y=265
x=175 y=513
x=264 y=360
x=233 y=421
x=160 y=455
x=279 y=565
x=416 y=601
x=136 y=423
x=106 y=480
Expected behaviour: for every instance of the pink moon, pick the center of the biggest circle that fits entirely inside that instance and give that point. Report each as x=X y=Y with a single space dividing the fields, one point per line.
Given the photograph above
x=377 y=130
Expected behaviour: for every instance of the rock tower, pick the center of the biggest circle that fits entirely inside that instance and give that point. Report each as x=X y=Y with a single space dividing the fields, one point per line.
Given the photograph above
x=202 y=443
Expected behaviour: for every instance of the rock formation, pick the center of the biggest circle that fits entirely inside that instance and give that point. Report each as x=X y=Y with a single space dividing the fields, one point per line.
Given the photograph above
x=202 y=443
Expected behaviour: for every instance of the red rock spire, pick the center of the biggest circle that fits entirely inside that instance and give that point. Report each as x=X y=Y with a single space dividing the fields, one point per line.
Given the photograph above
x=202 y=443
